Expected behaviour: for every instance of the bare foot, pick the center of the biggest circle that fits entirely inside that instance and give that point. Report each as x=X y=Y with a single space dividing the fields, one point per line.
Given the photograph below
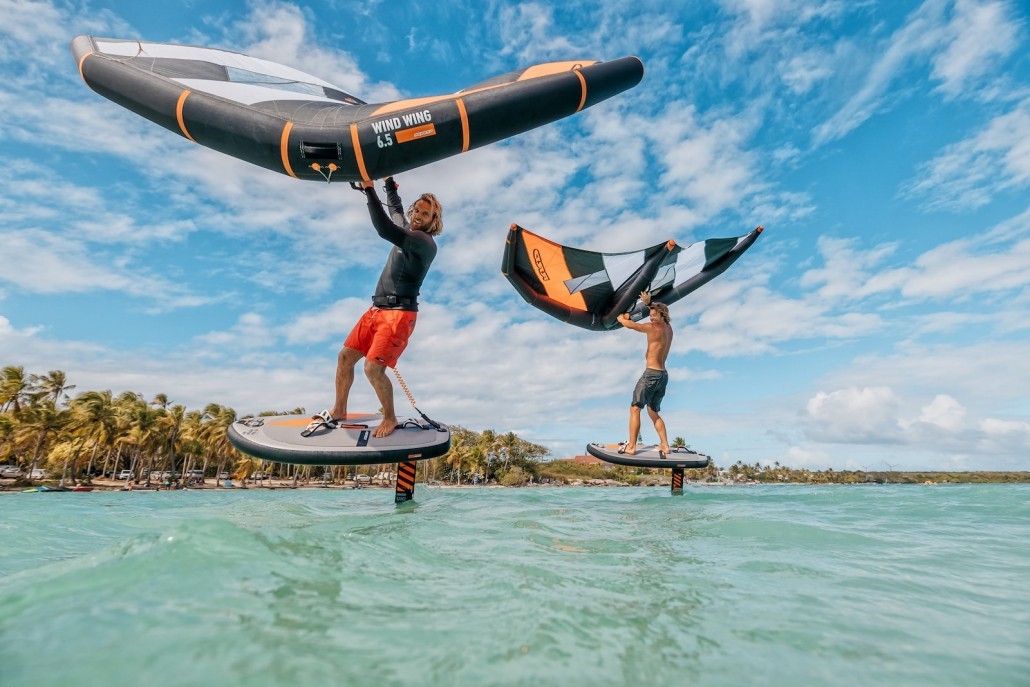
x=663 y=449
x=630 y=449
x=385 y=428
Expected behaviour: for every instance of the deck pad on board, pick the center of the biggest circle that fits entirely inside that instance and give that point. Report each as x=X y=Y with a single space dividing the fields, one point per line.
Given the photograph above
x=648 y=456
x=277 y=438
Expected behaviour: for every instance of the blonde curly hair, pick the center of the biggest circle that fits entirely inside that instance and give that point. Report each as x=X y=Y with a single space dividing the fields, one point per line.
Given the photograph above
x=435 y=227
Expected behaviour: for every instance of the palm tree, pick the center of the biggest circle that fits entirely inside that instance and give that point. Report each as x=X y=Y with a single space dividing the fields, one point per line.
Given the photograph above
x=462 y=441
x=138 y=424
x=14 y=387
x=476 y=458
x=99 y=407
x=93 y=417
x=508 y=446
x=52 y=385
x=8 y=425
x=214 y=434
x=191 y=442
x=41 y=420
x=116 y=439
x=170 y=422
x=245 y=466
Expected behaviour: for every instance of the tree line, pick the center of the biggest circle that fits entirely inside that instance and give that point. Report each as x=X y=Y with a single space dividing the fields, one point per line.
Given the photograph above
x=99 y=432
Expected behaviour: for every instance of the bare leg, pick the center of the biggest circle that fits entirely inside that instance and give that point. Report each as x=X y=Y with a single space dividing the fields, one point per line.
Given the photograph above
x=376 y=374
x=345 y=363
x=659 y=425
x=634 y=430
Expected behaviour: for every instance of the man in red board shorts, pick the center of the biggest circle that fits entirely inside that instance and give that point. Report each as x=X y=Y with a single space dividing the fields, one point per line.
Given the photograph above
x=381 y=335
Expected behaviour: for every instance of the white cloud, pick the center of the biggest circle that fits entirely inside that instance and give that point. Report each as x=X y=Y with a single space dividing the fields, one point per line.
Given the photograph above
x=251 y=330
x=757 y=23
x=963 y=41
x=39 y=262
x=803 y=71
x=329 y=325
x=42 y=29
x=28 y=22
x=1014 y=432
x=709 y=164
x=282 y=32
x=995 y=261
x=968 y=174
x=807 y=457
x=8 y=333
x=847 y=271
x=528 y=32
x=867 y=415
x=922 y=32
x=980 y=34
x=62 y=237
x=957 y=269
x=982 y=374
x=944 y=412
x=755 y=320
x=940 y=405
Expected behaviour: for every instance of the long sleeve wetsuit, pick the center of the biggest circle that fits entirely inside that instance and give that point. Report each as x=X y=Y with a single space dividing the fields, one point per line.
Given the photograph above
x=409 y=260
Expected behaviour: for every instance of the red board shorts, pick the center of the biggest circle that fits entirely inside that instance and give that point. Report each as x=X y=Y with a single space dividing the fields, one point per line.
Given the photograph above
x=382 y=335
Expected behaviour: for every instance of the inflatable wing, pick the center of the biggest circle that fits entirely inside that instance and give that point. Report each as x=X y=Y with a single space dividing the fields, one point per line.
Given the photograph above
x=591 y=289
x=290 y=122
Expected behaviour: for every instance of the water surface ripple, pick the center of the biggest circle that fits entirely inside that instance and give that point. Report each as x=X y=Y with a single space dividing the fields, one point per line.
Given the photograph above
x=780 y=585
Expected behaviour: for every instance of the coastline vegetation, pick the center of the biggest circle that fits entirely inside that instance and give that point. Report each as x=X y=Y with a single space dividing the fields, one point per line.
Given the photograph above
x=50 y=435
x=100 y=433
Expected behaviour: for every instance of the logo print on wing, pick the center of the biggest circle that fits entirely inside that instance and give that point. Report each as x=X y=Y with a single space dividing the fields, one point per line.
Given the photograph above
x=539 y=262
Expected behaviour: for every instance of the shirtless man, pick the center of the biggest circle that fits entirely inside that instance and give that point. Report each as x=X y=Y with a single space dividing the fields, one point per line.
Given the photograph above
x=650 y=389
x=381 y=335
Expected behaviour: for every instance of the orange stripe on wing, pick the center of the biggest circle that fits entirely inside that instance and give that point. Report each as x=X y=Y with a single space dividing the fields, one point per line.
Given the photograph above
x=550 y=68
x=413 y=102
x=534 y=72
x=81 y=60
x=549 y=265
x=178 y=114
x=284 y=149
x=583 y=84
x=464 y=125
x=359 y=156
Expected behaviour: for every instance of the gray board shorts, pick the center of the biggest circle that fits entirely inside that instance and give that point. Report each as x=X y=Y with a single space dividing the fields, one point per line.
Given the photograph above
x=650 y=389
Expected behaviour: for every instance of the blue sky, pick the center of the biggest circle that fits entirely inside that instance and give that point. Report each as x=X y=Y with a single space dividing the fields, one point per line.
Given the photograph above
x=883 y=319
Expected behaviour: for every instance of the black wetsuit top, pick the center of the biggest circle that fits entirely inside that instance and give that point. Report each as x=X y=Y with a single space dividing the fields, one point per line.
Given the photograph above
x=409 y=261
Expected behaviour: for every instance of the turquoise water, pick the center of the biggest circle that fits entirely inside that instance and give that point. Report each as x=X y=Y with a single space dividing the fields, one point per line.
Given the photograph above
x=783 y=585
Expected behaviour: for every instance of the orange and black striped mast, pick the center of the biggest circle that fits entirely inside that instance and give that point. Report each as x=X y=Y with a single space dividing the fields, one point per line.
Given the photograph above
x=677 y=481
x=405 y=489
